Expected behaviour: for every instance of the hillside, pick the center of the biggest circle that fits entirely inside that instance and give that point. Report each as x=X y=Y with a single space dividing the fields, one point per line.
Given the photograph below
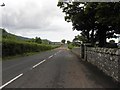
x=10 y=36
x=5 y=34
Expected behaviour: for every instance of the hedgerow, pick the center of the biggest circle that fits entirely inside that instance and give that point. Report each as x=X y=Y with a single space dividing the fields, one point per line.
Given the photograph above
x=14 y=47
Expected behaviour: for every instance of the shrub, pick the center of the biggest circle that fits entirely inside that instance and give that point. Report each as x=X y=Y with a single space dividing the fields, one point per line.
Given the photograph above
x=111 y=45
x=70 y=46
x=12 y=47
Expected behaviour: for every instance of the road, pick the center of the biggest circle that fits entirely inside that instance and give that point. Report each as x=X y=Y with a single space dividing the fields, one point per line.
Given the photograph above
x=58 y=68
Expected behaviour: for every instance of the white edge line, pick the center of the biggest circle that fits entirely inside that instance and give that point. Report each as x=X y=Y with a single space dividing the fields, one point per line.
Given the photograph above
x=39 y=63
x=11 y=81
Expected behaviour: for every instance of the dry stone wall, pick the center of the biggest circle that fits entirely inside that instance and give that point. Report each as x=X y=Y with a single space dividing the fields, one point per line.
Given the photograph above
x=106 y=59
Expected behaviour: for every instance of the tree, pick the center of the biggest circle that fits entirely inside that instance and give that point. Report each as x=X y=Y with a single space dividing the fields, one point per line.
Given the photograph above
x=108 y=16
x=80 y=38
x=68 y=42
x=96 y=21
x=63 y=41
x=38 y=40
x=112 y=41
x=118 y=41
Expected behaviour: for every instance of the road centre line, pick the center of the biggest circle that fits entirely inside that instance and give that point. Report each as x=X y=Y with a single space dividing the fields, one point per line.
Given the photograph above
x=50 y=56
x=55 y=53
x=60 y=51
x=39 y=63
x=11 y=81
x=43 y=61
x=22 y=73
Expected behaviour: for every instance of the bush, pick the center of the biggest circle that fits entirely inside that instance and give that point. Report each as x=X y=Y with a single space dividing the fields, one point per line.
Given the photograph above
x=12 y=47
x=111 y=45
x=70 y=46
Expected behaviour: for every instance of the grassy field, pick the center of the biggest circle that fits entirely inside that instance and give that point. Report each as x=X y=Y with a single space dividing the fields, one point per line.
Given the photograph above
x=13 y=45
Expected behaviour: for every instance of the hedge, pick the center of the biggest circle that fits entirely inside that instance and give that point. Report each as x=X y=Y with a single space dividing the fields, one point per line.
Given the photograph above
x=70 y=46
x=12 y=47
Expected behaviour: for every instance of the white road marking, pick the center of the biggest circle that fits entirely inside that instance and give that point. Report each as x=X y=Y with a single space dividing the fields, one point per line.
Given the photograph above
x=11 y=81
x=50 y=56
x=58 y=51
x=39 y=63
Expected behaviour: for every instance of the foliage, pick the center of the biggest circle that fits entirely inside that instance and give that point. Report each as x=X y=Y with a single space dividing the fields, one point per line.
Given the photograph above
x=96 y=21
x=70 y=46
x=45 y=41
x=12 y=47
x=80 y=38
x=111 y=45
x=63 y=41
x=38 y=40
x=31 y=40
x=7 y=35
x=68 y=42
x=112 y=41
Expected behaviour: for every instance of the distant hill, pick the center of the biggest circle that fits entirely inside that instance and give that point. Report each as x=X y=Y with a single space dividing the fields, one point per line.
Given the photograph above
x=5 y=34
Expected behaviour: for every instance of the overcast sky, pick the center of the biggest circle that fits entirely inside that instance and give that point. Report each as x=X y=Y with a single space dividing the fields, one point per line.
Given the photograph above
x=31 y=18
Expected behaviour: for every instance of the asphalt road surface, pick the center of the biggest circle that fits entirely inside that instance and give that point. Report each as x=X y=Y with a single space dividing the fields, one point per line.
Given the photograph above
x=58 y=68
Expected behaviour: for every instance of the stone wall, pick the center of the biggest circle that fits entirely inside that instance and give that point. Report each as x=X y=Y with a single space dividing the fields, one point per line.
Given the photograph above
x=106 y=59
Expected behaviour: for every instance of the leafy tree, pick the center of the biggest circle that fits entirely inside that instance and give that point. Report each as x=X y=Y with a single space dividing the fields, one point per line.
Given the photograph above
x=63 y=41
x=112 y=41
x=80 y=38
x=77 y=40
x=38 y=40
x=68 y=42
x=97 y=21
x=31 y=40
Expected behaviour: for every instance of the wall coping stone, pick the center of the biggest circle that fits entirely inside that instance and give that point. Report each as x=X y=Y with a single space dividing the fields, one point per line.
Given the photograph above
x=112 y=51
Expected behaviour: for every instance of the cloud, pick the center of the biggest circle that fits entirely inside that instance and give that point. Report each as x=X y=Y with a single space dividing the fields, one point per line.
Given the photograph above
x=28 y=15
x=33 y=17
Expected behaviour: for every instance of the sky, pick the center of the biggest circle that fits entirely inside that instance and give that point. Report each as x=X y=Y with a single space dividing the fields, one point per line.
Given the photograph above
x=31 y=18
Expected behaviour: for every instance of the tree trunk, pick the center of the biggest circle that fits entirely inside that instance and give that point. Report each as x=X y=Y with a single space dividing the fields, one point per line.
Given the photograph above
x=102 y=38
x=92 y=38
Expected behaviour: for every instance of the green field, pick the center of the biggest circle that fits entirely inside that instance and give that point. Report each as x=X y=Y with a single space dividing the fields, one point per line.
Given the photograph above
x=13 y=45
